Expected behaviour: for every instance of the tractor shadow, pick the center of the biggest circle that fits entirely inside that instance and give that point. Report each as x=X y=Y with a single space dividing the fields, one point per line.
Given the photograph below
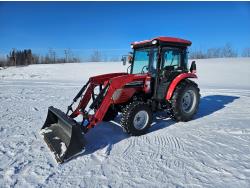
x=208 y=105
x=104 y=136
x=213 y=103
x=107 y=134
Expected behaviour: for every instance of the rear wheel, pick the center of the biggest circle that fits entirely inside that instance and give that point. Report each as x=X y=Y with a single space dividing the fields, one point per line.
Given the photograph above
x=136 y=118
x=185 y=101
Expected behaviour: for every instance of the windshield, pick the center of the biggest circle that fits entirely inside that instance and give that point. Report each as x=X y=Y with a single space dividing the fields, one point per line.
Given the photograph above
x=145 y=60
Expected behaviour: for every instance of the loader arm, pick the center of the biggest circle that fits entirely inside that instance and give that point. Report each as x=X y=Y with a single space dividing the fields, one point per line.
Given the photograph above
x=114 y=84
x=93 y=82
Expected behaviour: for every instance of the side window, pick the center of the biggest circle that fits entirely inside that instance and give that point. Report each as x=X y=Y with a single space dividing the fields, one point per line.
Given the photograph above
x=172 y=57
x=141 y=60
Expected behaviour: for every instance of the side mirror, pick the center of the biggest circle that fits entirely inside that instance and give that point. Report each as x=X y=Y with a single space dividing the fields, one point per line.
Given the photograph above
x=130 y=59
x=193 y=67
x=124 y=60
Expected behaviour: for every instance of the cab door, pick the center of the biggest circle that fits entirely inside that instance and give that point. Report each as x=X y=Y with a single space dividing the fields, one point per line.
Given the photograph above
x=170 y=67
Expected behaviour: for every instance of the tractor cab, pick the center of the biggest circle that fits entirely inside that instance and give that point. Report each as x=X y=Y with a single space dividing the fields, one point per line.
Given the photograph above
x=163 y=58
x=158 y=55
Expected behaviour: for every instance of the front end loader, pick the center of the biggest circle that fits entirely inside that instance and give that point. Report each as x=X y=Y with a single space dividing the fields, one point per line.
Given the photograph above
x=158 y=80
x=63 y=134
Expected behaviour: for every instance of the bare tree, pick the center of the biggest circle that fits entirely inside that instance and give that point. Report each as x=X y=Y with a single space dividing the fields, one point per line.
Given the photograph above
x=197 y=54
x=115 y=59
x=246 y=52
x=96 y=56
x=3 y=61
x=214 y=53
x=52 y=56
x=12 y=58
x=228 y=51
x=70 y=57
x=36 y=58
x=67 y=53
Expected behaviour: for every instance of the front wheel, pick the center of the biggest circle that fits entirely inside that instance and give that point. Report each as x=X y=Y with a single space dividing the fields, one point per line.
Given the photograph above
x=136 y=118
x=185 y=101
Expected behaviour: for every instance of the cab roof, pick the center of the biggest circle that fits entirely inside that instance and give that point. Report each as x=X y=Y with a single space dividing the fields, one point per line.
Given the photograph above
x=162 y=41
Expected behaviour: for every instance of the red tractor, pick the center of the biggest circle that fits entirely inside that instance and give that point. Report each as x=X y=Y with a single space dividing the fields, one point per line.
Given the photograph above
x=158 y=80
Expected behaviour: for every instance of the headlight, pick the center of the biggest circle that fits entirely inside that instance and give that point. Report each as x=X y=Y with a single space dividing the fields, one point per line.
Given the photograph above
x=154 y=42
x=132 y=46
x=116 y=94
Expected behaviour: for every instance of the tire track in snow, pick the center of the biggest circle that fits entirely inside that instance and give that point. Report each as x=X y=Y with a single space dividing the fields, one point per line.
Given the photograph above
x=161 y=149
x=150 y=154
x=169 y=146
x=129 y=149
x=169 y=143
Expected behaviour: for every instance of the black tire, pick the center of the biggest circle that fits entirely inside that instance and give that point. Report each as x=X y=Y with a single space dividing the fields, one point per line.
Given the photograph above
x=110 y=114
x=143 y=114
x=180 y=110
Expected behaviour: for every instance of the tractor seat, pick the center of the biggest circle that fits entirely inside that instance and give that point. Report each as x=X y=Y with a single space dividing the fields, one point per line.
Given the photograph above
x=167 y=71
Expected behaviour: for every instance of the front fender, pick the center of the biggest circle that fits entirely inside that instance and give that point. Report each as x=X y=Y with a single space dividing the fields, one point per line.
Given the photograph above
x=175 y=82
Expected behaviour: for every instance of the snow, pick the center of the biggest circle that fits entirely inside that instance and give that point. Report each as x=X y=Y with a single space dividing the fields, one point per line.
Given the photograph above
x=45 y=130
x=63 y=148
x=68 y=71
x=210 y=151
x=224 y=73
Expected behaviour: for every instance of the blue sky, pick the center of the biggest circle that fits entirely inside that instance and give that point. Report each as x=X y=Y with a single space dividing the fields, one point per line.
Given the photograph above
x=113 y=25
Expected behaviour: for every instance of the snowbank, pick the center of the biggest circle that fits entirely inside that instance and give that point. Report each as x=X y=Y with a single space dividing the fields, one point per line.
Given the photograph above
x=222 y=72
x=66 y=71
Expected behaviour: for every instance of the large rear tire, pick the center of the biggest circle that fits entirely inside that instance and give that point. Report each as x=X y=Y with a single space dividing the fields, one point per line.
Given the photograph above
x=185 y=101
x=136 y=118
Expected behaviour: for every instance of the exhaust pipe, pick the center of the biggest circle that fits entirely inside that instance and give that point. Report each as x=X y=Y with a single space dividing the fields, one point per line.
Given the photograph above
x=63 y=135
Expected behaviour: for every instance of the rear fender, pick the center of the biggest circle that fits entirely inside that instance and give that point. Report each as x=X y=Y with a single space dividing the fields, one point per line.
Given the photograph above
x=176 y=81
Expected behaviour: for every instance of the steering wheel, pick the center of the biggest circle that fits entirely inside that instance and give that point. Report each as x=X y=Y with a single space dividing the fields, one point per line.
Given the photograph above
x=143 y=68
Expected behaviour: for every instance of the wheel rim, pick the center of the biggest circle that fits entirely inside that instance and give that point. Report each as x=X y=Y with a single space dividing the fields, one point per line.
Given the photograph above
x=141 y=120
x=188 y=101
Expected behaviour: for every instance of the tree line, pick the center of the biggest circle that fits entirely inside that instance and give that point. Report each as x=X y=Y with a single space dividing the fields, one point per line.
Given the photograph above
x=220 y=52
x=27 y=57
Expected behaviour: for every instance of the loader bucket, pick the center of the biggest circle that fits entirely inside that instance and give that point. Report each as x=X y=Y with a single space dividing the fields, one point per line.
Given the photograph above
x=62 y=134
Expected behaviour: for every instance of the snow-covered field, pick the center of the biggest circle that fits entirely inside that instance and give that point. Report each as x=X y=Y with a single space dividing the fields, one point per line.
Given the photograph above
x=213 y=150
